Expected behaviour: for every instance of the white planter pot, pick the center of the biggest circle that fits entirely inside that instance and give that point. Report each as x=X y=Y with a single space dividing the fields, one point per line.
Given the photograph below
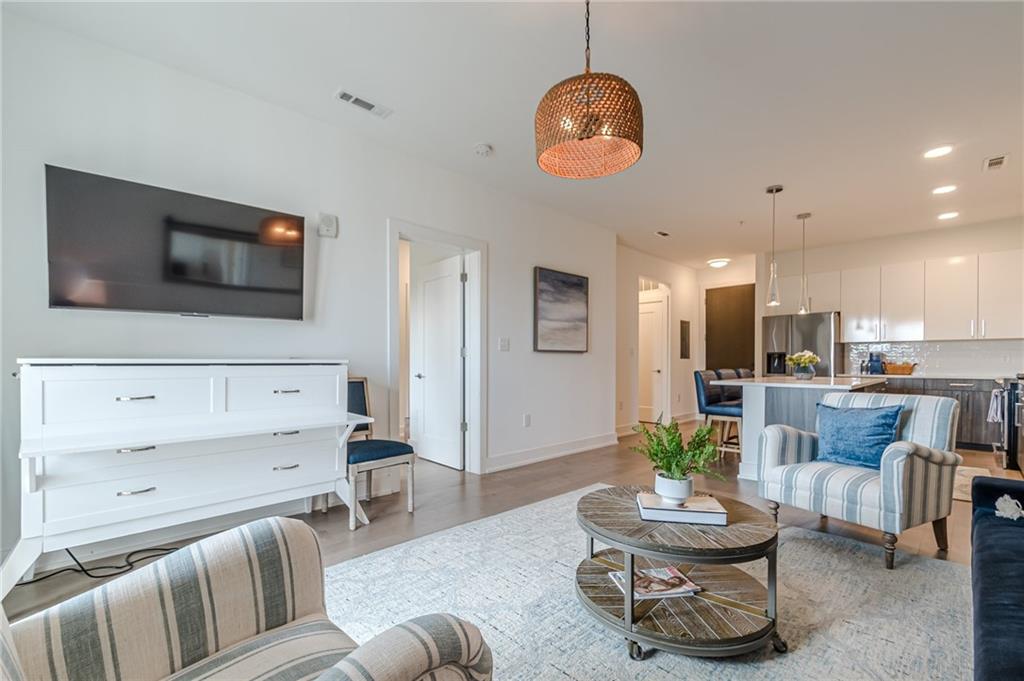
x=673 y=490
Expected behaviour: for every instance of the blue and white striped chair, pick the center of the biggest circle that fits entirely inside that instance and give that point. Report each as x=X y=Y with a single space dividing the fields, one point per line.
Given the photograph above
x=913 y=486
x=242 y=605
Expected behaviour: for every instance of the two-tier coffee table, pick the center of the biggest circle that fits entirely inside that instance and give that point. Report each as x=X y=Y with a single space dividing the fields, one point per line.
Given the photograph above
x=733 y=614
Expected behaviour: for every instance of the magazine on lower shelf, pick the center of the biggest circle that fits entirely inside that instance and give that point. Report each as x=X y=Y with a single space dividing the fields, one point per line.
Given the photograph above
x=656 y=583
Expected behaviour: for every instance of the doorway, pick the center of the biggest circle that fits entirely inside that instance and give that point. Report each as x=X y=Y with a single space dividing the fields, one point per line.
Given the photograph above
x=436 y=354
x=729 y=327
x=653 y=361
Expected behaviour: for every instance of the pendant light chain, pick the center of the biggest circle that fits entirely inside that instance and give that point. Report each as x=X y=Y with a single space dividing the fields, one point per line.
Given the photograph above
x=587 y=37
x=803 y=248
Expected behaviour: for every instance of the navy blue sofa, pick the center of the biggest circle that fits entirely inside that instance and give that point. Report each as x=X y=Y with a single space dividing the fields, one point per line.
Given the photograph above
x=996 y=578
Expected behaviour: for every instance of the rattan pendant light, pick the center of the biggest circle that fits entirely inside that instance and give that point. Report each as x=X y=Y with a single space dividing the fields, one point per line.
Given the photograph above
x=590 y=125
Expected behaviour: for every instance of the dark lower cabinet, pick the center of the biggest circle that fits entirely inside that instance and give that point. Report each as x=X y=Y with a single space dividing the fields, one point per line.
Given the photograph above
x=973 y=429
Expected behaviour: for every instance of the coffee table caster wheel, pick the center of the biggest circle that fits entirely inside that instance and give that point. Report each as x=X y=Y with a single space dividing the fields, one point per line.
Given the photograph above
x=636 y=652
x=779 y=645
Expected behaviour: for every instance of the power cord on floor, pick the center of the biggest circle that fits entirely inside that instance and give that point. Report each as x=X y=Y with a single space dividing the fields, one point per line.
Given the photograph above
x=130 y=561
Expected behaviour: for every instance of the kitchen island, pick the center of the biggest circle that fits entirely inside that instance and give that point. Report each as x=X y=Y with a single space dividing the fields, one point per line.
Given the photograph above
x=786 y=400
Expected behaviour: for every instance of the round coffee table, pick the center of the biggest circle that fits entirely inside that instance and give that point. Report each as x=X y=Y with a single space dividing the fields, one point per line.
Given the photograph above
x=733 y=613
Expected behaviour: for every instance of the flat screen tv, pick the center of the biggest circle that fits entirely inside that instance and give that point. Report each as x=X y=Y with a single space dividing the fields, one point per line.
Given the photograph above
x=122 y=245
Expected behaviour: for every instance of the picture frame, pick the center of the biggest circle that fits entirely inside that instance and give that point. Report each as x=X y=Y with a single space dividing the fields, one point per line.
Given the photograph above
x=561 y=311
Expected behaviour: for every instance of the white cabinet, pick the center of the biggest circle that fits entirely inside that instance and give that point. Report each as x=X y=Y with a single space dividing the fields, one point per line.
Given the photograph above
x=902 y=301
x=1001 y=294
x=951 y=298
x=823 y=291
x=859 y=304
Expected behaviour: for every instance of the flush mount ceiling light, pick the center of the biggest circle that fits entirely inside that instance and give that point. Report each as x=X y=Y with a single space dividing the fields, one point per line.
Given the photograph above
x=718 y=263
x=945 y=189
x=590 y=125
x=938 y=151
x=805 y=302
x=773 y=268
x=949 y=216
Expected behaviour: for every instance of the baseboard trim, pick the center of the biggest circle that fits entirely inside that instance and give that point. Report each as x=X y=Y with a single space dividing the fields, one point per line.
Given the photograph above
x=524 y=457
x=625 y=429
x=748 y=471
x=687 y=417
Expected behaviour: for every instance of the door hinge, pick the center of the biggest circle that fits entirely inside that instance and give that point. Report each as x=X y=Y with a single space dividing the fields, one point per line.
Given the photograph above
x=464 y=426
x=463 y=353
x=463 y=277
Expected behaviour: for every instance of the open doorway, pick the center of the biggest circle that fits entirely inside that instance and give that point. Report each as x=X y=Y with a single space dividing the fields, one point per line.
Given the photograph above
x=729 y=327
x=436 y=354
x=654 y=387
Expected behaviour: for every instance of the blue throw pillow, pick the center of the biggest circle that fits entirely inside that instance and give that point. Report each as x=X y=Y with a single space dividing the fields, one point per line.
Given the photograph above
x=856 y=436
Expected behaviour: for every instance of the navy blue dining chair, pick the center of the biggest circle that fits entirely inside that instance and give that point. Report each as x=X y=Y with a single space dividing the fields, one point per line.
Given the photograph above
x=721 y=407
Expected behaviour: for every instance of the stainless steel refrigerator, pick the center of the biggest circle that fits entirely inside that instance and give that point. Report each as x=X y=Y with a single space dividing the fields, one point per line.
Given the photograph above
x=788 y=334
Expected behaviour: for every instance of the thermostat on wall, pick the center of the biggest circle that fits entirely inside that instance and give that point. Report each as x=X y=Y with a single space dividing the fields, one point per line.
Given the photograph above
x=328 y=226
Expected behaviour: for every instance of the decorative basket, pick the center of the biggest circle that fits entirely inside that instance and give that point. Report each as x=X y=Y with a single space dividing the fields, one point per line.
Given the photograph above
x=904 y=369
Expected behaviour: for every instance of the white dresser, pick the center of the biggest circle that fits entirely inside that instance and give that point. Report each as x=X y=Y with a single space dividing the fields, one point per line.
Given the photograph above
x=116 y=447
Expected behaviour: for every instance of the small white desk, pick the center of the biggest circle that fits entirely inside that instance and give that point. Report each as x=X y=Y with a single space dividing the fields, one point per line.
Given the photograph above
x=784 y=399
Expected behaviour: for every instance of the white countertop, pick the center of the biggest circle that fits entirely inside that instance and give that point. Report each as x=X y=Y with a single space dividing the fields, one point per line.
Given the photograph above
x=967 y=375
x=817 y=383
x=40 y=361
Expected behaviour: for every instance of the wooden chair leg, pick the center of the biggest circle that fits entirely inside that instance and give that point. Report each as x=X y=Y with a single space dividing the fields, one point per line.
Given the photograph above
x=369 y=485
x=773 y=508
x=410 y=486
x=941 y=538
x=890 y=550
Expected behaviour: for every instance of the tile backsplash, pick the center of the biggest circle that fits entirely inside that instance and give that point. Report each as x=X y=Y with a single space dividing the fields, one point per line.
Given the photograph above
x=989 y=357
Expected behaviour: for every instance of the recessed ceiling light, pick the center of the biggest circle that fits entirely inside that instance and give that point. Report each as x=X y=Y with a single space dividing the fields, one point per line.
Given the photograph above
x=718 y=262
x=945 y=189
x=938 y=151
x=659 y=233
x=949 y=216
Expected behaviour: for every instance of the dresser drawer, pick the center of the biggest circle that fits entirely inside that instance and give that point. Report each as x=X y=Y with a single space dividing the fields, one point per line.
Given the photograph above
x=213 y=479
x=89 y=401
x=123 y=462
x=254 y=393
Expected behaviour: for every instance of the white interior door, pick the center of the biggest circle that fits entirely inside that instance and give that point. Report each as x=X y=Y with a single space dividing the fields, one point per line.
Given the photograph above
x=651 y=393
x=435 y=362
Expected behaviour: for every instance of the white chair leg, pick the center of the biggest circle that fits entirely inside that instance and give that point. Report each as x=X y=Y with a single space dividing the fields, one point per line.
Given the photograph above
x=369 y=485
x=410 y=484
x=354 y=478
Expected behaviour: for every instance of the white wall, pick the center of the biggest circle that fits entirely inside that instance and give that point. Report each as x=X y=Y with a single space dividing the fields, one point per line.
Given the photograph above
x=742 y=270
x=71 y=102
x=999 y=235
x=682 y=282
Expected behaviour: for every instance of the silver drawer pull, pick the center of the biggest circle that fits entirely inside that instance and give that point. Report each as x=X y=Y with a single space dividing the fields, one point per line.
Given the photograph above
x=286 y=432
x=134 y=398
x=133 y=450
x=292 y=391
x=133 y=492
x=286 y=468
x=961 y=385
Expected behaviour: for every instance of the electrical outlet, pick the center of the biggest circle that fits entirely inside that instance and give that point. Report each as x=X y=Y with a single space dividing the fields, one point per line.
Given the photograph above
x=679 y=397
x=503 y=344
x=620 y=406
x=526 y=420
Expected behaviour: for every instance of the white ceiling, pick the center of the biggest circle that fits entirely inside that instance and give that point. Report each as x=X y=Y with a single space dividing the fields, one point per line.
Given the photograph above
x=836 y=101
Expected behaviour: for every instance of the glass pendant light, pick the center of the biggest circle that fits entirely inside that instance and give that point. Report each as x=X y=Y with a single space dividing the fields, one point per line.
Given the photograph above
x=773 y=268
x=805 y=302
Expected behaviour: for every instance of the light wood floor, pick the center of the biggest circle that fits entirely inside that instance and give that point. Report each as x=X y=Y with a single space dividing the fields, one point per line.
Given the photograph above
x=446 y=498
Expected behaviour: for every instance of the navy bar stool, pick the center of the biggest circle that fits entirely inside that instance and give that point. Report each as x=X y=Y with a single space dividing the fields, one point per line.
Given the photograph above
x=721 y=406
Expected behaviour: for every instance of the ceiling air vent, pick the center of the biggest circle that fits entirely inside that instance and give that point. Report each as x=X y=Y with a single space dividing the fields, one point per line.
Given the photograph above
x=375 y=109
x=994 y=162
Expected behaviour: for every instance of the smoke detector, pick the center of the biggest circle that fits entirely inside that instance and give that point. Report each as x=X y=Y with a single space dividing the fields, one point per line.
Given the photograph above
x=994 y=162
x=483 y=150
x=354 y=100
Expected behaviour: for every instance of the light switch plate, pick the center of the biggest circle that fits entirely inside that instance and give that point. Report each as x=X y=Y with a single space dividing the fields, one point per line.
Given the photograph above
x=504 y=344
x=328 y=226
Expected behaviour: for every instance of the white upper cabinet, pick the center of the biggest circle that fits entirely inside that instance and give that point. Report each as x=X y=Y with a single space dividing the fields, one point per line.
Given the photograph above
x=859 y=304
x=902 y=301
x=1001 y=295
x=823 y=290
x=951 y=298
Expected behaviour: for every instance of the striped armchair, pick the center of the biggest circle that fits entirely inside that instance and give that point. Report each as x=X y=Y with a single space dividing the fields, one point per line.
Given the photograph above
x=242 y=605
x=914 y=484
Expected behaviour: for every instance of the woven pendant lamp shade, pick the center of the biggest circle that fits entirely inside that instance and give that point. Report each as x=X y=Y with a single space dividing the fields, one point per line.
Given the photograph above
x=590 y=125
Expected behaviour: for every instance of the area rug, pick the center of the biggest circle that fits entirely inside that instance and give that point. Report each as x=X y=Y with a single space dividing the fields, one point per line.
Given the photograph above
x=843 y=615
x=962 y=482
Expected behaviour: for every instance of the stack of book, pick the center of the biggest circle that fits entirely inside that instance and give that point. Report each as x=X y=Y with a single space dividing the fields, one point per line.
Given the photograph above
x=697 y=510
x=666 y=582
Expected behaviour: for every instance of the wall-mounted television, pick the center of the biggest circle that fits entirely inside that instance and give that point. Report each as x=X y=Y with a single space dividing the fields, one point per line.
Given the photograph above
x=119 y=245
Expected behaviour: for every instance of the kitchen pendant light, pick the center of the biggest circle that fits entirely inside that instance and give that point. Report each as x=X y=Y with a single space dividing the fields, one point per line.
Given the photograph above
x=590 y=125
x=773 y=269
x=805 y=302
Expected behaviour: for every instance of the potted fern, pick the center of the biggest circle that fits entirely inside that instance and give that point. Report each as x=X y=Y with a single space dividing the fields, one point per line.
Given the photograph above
x=675 y=462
